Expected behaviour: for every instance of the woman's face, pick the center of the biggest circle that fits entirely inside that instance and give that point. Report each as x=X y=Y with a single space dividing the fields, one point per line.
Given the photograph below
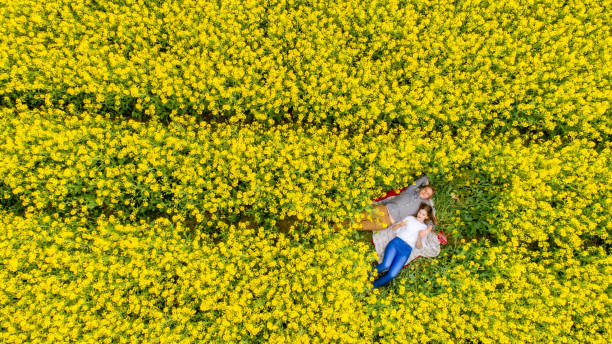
x=421 y=215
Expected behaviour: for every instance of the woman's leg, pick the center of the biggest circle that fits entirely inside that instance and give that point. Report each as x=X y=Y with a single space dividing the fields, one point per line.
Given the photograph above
x=396 y=267
x=400 y=258
x=391 y=251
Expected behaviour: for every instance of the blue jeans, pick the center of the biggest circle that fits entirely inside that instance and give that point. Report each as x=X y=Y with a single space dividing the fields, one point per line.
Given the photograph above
x=396 y=255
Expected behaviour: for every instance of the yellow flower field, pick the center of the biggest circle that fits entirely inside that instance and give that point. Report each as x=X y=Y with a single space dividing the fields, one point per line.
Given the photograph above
x=171 y=171
x=523 y=67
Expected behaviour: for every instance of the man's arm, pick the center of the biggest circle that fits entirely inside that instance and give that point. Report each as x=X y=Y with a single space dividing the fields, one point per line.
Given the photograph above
x=421 y=181
x=418 y=183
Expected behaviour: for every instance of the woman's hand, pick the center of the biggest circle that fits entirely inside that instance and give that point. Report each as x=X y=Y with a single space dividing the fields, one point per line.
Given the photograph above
x=398 y=225
x=422 y=234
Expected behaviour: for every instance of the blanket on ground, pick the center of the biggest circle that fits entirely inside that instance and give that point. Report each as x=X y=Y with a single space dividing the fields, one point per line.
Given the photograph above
x=429 y=249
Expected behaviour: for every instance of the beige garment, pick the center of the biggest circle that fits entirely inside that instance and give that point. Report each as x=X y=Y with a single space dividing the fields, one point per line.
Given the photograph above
x=430 y=244
x=379 y=219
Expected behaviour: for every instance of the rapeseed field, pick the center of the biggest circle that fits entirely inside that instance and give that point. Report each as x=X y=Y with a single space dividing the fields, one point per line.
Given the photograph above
x=170 y=171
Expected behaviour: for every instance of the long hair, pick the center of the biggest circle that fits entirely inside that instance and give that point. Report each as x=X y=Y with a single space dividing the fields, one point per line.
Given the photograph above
x=429 y=211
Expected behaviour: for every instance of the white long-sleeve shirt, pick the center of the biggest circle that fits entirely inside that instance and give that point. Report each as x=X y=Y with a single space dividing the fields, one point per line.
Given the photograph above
x=410 y=231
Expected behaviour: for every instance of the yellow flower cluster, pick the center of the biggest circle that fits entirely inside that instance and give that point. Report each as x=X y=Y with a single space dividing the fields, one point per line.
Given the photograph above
x=517 y=67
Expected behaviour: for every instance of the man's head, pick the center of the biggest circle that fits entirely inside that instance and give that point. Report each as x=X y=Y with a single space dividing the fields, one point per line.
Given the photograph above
x=426 y=192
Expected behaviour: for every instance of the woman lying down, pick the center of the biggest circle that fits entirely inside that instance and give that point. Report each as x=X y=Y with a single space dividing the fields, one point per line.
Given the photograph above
x=411 y=238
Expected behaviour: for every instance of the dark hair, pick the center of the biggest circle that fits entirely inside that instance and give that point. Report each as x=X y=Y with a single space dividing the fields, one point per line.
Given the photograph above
x=429 y=211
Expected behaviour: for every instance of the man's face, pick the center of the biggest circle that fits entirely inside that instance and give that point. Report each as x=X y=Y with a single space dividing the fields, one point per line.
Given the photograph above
x=426 y=193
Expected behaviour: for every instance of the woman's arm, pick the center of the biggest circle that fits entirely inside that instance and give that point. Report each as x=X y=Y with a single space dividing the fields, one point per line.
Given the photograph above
x=399 y=224
x=422 y=234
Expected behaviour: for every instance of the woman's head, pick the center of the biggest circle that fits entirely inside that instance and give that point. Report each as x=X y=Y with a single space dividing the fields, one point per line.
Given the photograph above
x=425 y=213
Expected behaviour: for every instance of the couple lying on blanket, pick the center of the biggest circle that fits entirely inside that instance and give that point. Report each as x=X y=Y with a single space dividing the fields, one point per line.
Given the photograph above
x=402 y=228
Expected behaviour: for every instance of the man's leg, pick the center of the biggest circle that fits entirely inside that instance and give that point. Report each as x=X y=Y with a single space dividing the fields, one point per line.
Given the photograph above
x=378 y=220
x=344 y=224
